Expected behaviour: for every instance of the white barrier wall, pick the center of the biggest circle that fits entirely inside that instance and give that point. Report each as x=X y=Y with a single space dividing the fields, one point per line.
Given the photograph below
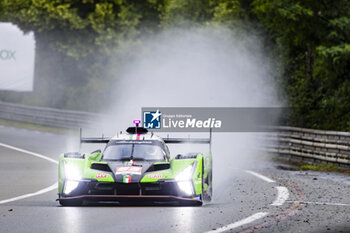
x=17 y=54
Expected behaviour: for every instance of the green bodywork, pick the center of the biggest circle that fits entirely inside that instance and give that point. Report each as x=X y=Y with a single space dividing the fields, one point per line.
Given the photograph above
x=83 y=164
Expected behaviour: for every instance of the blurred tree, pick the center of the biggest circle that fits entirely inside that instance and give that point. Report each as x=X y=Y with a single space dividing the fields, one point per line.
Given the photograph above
x=186 y=13
x=1 y=8
x=312 y=38
x=234 y=13
x=95 y=22
x=231 y=13
x=333 y=64
x=75 y=39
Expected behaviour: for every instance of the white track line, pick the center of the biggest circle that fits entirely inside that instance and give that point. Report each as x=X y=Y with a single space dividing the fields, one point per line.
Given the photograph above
x=260 y=176
x=240 y=223
x=282 y=192
x=29 y=152
x=282 y=196
x=42 y=191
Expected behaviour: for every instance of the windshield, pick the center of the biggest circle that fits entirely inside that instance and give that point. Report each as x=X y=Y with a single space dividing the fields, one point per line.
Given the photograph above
x=134 y=151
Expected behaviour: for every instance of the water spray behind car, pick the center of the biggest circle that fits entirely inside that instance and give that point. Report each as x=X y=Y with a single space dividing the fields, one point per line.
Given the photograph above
x=198 y=67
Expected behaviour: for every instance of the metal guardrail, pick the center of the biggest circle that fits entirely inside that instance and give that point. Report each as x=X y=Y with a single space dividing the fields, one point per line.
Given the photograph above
x=292 y=142
x=316 y=146
x=49 y=116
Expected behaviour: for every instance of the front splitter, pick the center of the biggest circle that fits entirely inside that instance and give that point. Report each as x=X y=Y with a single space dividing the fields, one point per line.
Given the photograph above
x=137 y=199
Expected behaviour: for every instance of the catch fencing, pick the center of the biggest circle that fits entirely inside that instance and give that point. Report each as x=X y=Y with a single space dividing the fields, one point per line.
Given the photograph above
x=314 y=146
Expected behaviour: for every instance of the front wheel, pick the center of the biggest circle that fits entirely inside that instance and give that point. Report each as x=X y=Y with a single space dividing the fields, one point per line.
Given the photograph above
x=206 y=194
x=209 y=193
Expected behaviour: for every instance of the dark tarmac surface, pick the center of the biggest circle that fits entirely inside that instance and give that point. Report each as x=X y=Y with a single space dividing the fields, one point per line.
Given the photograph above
x=317 y=202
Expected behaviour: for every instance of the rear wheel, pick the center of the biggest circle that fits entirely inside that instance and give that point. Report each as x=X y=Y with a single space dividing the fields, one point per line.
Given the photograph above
x=206 y=194
x=203 y=183
x=209 y=192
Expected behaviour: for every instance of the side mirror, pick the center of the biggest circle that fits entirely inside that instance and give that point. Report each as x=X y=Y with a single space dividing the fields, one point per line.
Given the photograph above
x=96 y=151
x=94 y=155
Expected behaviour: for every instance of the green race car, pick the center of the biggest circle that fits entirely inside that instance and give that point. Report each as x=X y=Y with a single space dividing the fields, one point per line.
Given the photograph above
x=135 y=167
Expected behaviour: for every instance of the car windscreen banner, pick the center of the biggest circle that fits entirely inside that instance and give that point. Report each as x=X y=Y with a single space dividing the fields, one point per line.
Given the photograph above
x=17 y=53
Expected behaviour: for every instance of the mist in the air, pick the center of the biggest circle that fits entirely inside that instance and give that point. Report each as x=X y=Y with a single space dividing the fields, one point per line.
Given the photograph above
x=198 y=67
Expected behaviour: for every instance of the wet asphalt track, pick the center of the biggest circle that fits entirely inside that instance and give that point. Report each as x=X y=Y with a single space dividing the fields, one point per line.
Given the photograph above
x=317 y=202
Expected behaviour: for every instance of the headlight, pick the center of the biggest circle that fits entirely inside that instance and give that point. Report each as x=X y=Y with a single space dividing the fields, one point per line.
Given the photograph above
x=70 y=186
x=186 y=174
x=186 y=187
x=184 y=180
x=71 y=172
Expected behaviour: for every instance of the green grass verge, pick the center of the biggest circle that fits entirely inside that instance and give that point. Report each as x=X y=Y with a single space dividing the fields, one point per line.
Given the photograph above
x=324 y=168
x=302 y=166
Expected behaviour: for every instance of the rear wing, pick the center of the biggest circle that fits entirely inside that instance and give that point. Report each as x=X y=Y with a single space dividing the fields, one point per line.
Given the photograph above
x=166 y=140
x=92 y=140
x=190 y=140
x=187 y=140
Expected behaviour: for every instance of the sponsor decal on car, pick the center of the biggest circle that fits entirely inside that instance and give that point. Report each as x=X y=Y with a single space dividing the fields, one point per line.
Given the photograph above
x=129 y=170
x=101 y=175
x=155 y=176
x=127 y=179
x=130 y=163
x=132 y=141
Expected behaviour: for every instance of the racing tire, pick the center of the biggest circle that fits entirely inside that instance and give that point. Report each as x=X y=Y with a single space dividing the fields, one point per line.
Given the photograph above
x=209 y=193
x=206 y=196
